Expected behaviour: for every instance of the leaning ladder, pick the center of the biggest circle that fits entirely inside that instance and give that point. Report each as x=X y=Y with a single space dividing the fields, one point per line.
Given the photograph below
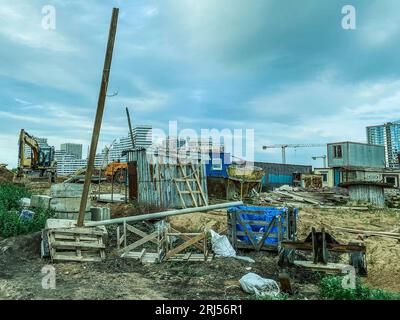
x=185 y=180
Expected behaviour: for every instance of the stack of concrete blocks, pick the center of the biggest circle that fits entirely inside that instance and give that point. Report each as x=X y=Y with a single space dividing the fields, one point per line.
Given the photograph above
x=66 y=200
x=39 y=201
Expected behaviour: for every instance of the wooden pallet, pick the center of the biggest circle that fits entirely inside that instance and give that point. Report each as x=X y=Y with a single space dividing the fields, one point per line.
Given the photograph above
x=135 y=250
x=190 y=240
x=76 y=244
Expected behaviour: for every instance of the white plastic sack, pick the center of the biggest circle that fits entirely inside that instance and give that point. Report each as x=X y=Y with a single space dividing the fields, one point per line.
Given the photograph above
x=254 y=284
x=223 y=248
x=221 y=245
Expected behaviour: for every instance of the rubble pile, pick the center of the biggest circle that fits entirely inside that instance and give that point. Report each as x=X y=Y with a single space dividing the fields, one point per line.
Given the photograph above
x=392 y=198
x=5 y=174
x=296 y=195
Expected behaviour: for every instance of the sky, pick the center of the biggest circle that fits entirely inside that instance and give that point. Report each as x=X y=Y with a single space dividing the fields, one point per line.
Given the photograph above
x=284 y=68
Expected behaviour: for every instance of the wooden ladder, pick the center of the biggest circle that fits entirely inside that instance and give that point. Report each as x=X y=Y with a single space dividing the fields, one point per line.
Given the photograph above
x=186 y=181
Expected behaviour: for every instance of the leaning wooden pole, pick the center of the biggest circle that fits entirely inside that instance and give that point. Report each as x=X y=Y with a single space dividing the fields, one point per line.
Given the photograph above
x=130 y=126
x=99 y=115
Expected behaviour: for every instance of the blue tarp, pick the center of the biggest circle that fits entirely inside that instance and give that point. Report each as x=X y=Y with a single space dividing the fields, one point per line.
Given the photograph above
x=262 y=214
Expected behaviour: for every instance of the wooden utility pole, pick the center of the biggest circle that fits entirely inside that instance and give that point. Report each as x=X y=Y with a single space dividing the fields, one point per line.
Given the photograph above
x=99 y=115
x=130 y=126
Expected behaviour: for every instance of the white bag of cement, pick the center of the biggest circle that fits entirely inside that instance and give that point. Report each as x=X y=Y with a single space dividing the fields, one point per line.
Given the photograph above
x=221 y=245
x=223 y=248
x=254 y=284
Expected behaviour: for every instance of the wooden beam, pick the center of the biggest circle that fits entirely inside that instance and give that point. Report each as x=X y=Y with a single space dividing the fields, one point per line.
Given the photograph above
x=308 y=246
x=99 y=115
x=130 y=126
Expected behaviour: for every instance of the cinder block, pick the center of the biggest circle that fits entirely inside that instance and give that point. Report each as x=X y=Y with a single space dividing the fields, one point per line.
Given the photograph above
x=39 y=201
x=100 y=214
x=66 y=190
x=68 y=204
x=25 y=202
x=72 y=216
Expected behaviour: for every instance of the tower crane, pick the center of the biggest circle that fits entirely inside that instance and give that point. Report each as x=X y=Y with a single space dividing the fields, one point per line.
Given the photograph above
x=321 y=157
x=284 y=146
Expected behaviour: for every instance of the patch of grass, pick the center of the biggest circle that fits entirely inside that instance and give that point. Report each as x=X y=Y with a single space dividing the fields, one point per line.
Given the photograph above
x=10 y=207
x=331 y=288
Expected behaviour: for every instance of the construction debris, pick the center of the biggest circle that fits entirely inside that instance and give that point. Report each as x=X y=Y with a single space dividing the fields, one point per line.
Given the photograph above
x=5 y=174
x=297 y=196
x=368 y=233
x=321 y=243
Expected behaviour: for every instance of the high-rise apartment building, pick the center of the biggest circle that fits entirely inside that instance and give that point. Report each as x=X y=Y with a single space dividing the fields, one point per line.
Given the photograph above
x=72 y=148
x=388 y=135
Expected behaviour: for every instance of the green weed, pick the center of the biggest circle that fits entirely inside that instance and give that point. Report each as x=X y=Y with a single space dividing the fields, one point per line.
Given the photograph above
x=331 y=288
x=10 y=208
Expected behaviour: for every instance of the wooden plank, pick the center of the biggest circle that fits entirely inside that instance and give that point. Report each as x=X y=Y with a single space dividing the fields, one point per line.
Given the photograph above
x=139 y=242
x=139 y=232
x=72 y=237
x=266 y=234
x=203 y=197
x=85 y=231
x=185 y=245
x=185 y=237
x=249 y=234
x=307 y=246
x=329 y=267
x=118 y=238
x=367 y=232
x=66 y=244
x=63 y=257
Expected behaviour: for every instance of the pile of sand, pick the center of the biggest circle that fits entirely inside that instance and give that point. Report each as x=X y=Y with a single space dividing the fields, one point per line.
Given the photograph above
x=195 y=222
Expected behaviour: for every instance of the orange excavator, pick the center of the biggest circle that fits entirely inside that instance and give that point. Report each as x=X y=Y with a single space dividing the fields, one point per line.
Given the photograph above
x=116 y=171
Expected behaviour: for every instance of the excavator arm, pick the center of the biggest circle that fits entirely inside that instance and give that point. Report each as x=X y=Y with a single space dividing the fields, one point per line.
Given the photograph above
x=26 y=139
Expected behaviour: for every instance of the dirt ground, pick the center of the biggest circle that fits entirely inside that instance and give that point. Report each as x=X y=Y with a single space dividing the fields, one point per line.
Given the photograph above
x=117 y=278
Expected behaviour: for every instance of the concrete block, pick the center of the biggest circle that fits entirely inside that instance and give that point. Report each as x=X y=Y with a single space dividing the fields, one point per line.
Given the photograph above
x=100 y=214
x=25 y=202
x=68 y=204
x=39 y=201
x=72 y=215
x=66 y=190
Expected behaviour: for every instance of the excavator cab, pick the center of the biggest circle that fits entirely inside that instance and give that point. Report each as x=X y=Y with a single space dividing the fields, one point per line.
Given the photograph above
x=46 y=157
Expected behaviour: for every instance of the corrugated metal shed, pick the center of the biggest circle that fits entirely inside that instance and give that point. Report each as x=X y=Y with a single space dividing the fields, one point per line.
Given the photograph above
x=156 y=178
x=372 y=193
x=278 y=174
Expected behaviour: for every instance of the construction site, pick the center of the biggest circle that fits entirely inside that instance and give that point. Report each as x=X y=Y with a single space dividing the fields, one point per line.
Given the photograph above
x=191 y=221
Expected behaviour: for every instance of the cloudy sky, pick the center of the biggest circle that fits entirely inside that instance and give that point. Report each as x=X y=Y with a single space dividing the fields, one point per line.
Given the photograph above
x=286 y=69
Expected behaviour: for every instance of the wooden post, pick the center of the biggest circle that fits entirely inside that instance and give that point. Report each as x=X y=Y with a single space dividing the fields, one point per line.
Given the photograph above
x=99 y=115
x=112 y=185
x=130 y=126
